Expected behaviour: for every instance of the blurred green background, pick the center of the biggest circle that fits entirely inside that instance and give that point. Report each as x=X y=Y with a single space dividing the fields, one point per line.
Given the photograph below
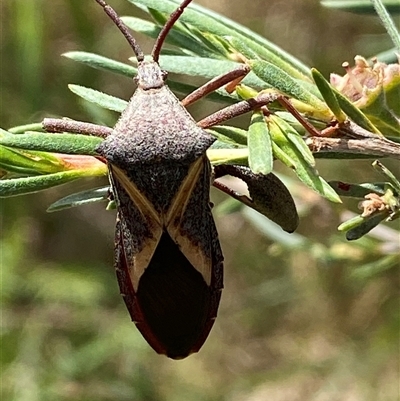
x=308 y=317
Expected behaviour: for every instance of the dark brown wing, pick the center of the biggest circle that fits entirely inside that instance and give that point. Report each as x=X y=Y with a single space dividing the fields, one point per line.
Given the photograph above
x=169 y=266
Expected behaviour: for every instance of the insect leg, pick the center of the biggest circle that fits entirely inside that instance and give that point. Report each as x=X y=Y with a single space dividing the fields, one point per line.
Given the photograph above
x=77 y=127
x=258 y=102
x=232 y=78
x=268 y=195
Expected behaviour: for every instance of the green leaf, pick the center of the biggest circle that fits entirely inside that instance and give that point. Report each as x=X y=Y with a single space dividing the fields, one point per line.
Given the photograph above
x=363 y=225
x=378 y=166
x=228 y=156
x=25 y=162
x=383 y=119
x=21 y=129
x=327 y=93
x=361 y=6
x=228 y=134
x=306 y=172
x=56 y=143
x=4 y=133
x=282 y=81
x=378 y=111
x=81 y=198
x=355 y=113
x=387 y=22
x=216 y=45
x=358 y=190
x=101 y=99
x=259 y=143
x=245 y=50
x=272 y=54
x=282 y=156
x=189 y=38
x=387 y=57
x=102 y=63
x=28 y=185
x=209 y=21
x=295 y=138
x=205 y=67
x=179 y=37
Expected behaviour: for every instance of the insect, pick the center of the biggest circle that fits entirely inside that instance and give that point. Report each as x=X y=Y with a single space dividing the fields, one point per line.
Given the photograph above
x=168 y=259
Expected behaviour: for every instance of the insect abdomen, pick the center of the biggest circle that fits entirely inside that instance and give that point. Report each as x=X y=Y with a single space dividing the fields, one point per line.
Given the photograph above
x=175 y=300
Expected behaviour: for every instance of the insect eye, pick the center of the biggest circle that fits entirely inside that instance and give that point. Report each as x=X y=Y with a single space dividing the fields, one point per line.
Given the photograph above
x=164 y=75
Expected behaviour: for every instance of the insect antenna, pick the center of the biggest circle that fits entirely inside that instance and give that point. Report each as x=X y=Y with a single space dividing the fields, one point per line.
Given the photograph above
x=123 y=28
x=166 y=28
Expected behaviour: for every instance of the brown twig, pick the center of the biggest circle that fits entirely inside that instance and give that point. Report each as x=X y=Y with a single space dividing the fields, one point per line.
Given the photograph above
x=373 y=147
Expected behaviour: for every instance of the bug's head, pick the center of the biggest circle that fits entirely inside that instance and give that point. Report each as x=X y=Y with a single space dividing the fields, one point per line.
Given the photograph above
x=150 y=75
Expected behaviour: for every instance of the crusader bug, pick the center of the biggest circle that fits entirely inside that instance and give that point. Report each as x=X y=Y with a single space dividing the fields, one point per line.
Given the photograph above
x=168 y=259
